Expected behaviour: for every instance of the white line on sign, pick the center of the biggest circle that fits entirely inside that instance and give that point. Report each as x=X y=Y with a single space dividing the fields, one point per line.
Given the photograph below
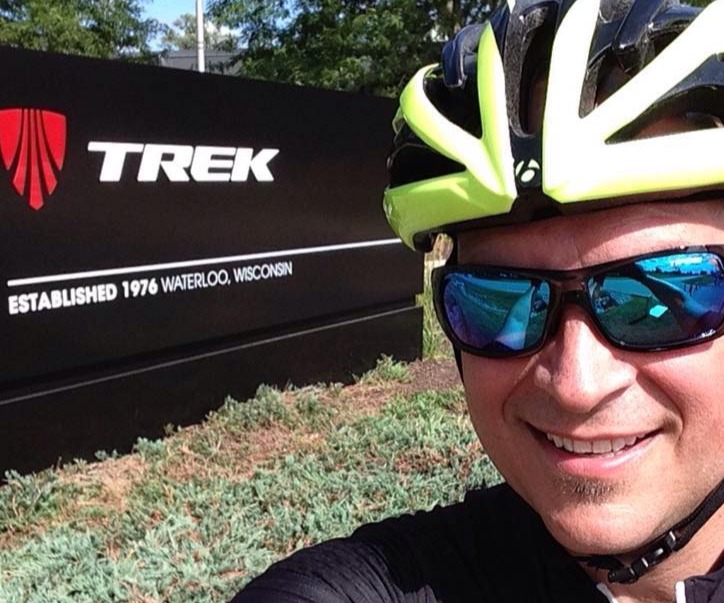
x=212 y=354
x=72 y=276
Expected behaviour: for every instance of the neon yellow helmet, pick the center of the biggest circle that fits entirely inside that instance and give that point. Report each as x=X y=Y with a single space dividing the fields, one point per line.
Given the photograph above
x=466 y=155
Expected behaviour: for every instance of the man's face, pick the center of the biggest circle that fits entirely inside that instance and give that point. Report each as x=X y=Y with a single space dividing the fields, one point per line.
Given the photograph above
x=579 y=387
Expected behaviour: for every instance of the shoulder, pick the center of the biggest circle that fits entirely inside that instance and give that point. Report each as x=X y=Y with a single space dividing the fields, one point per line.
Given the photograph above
x=481 y=544
x=706 y=588
x=476 y=550
x=335 y=571
x=494 y=515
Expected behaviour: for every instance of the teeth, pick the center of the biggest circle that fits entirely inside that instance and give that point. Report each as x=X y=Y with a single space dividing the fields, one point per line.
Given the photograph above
x=594 y=447
x=582 y=447
x=555 y=439
x=602 y=446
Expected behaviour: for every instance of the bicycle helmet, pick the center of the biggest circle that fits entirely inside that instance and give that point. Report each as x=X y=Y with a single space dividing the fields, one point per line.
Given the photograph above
x=467 y=154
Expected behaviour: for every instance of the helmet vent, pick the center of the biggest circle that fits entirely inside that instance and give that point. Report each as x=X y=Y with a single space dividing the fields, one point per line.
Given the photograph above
x=525 y=61
x=412 y=163
x=458 y=105
x=696 y=103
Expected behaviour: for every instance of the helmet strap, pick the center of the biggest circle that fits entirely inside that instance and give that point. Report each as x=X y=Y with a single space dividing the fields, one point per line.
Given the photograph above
x=661 y=547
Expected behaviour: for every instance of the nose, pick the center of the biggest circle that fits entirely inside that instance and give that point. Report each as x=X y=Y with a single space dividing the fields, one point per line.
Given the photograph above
x=578 y=368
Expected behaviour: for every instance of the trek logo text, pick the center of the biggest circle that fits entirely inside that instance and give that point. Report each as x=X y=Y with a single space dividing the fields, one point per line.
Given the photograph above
x=183 y=163
x=33 y=150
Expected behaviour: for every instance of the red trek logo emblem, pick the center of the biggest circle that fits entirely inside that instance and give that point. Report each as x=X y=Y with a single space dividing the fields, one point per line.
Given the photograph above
x=32 y=145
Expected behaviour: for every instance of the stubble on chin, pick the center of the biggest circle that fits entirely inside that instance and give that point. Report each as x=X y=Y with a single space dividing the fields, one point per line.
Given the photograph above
x=586 y=491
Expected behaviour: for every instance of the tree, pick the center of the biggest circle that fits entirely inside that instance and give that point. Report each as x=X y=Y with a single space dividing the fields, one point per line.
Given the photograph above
x=372 y=46
x=182 y=35
x=363 y=45
x=97 y=28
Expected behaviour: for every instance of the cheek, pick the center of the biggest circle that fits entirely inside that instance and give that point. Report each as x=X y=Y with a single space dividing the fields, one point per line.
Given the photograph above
x=488 y=387
x=693 y=382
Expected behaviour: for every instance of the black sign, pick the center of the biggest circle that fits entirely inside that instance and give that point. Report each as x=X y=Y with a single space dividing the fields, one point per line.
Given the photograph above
x=150 y=215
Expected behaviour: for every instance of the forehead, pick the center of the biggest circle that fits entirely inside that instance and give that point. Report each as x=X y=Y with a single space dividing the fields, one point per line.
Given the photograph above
x=596 y=237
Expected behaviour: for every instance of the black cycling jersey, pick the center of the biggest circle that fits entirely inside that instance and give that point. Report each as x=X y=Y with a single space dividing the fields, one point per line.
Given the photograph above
x=491 y=547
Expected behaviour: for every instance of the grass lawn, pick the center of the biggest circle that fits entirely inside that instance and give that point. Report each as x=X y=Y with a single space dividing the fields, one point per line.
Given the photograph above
x=194 y=516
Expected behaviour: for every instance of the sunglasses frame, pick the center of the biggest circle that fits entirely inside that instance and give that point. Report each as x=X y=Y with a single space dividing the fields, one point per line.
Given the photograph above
x=567 y=286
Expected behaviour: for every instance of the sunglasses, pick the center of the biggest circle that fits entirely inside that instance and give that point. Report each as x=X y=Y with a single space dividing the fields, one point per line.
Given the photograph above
x=658 y=301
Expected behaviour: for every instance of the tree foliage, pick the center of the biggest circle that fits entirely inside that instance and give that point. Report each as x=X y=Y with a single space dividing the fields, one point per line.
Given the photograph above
x=371 y=46
x=182 y=35
x=97 y=28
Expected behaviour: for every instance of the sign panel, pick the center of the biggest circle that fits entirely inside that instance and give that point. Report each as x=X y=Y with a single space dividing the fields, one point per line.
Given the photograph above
x=150 y=213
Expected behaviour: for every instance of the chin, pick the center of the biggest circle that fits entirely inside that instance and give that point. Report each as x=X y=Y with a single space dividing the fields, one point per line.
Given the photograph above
x=592 y=537
x=594 y=521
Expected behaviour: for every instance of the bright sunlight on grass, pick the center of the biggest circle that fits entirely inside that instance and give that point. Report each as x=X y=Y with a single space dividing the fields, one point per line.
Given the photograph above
x=193 y=517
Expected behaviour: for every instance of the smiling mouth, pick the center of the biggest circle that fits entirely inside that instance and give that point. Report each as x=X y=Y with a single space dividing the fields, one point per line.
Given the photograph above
x=595 y=447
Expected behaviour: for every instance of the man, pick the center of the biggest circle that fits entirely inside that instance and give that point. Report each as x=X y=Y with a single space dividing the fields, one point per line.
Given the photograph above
x=575 y=153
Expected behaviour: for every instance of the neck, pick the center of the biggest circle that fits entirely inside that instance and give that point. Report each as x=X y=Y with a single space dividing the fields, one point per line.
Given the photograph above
x=701 y=555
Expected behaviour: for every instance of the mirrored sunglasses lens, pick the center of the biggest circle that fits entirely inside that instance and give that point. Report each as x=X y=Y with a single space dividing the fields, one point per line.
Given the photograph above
x=495 y=313
x=659 y=301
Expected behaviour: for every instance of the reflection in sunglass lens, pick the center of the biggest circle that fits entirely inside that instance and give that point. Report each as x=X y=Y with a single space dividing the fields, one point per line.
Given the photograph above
x=495 y=312
x=662 y=300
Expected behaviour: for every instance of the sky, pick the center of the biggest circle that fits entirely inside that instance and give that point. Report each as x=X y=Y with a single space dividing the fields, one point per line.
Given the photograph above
x=167 y=11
